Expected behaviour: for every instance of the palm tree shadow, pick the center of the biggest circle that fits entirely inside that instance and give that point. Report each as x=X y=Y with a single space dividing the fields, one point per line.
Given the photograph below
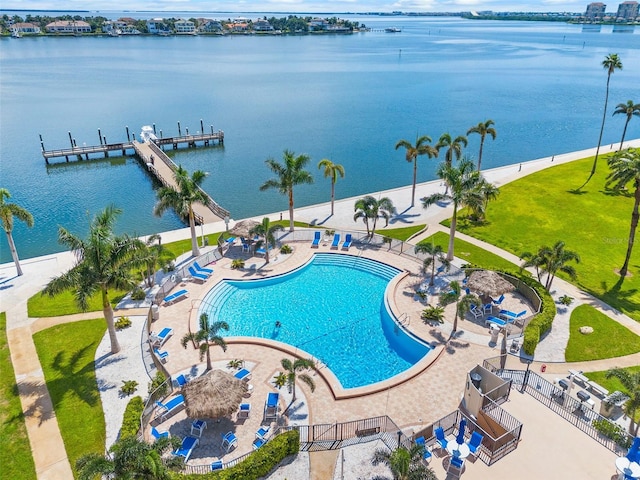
x=321 y=222
x=5 y=281
x=451 y=343
x=577 y=191
x=40 y=407
x=403 y=217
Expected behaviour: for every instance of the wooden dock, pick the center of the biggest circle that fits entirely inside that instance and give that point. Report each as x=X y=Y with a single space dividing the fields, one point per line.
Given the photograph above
x=159 y=163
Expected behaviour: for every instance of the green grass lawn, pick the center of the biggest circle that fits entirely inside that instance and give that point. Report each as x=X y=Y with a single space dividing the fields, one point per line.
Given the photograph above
x=609 y=339
x=471 y=253
x=15 y=452
x=64 y=303
x=67 y=355
x=540 y=209
x=403 y=233
x=612 y=384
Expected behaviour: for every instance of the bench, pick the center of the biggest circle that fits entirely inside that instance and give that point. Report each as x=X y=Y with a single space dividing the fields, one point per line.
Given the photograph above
x=597 y=389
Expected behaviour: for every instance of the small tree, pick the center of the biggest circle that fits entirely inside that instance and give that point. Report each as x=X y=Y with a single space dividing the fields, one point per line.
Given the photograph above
x=404 y=464
x=631 y=383
x=266 y=230
x=434 y=252
x=333 y=171
x=369 y=210
x=483 y=129
x=630 y=110
x=463 y=302
x=206 y=337
x=153 y=254
x=7 y=213
x=293 y=371
x=551 y=260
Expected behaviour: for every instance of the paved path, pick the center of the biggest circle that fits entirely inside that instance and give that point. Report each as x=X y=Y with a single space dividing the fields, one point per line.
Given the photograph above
x=42 y=428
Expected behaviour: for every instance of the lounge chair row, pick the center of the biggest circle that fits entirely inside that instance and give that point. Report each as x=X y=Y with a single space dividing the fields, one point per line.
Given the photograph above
x=336 y=241
x=158 y=339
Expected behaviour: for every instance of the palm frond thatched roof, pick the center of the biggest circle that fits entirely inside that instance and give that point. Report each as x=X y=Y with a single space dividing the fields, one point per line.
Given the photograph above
x=488 y=282
x=214 y=394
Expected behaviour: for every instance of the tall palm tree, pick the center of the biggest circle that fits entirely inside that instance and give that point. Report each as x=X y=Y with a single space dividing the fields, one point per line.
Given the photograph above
x=290 y=173
x=153 y=254
x=630 y=110
x=331 y=170
x=411 y=155
x=625 y=169
x=103 y=261
x=631 y=383
x=132 y=458
x=483 y=129
x=434 y=252
x=453 y=146
x=463 y=181
x=463 y=302
x=266 y=230
x=7 y=213
x=369 y=210
x=404 y=464
x=294 y=371
x=208 y=336
x=611 y=63
x=182 y=198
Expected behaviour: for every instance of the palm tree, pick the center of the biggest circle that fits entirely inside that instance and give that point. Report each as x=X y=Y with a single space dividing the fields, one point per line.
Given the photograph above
x=536 y=260
x=551 y=260
x=629 y=109
x=488 y=191
x=631 y=382
x=412 y=153
x=182 y=198
x=434 y=252
x=370 y=209
x=132 y=458
x=463 y=181
x=293 y=371
x=463 y=302
x=453 y=146
x=104 y=261
x=625 y=168
x=207 y=337
x=331 y=170
x=483 y=129
x=611 y=63
x=290 y=174
x=404 y=464
x=266 y=230
x=153 y=254
x=7 y=212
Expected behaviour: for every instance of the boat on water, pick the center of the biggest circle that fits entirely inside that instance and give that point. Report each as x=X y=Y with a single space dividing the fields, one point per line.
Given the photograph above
x=393 y=29
x=15 y=34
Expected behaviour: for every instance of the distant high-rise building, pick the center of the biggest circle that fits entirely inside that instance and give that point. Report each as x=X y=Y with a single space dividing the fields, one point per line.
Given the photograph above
x=595 y=10
x=628 y=10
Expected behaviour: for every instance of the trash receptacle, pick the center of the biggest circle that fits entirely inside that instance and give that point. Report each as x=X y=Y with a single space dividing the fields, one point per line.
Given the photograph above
x=155 y=312
x=495 y=331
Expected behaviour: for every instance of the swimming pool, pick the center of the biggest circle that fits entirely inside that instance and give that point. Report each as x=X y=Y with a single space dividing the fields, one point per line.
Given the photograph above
x=333 y=307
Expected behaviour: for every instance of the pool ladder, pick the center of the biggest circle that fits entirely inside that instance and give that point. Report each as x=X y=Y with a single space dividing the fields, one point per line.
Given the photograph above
x=404 y=319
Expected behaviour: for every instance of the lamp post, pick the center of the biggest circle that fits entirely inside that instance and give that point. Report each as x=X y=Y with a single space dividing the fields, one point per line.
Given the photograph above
x=202 y=233
x=226 y=222
x=525 y=380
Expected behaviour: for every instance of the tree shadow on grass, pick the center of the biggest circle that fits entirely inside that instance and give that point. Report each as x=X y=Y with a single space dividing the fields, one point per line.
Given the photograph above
x=617 y=298
x=74 y=374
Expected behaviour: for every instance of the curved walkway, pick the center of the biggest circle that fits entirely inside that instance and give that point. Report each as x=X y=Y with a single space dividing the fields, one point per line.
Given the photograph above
x=44 y=435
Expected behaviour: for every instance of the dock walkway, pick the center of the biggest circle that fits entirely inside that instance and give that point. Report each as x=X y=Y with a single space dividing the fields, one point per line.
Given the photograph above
x=163 y=167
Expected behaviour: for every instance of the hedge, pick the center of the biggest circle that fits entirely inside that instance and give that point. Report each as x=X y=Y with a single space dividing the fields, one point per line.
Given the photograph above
x=131 y=418
x=259 y=463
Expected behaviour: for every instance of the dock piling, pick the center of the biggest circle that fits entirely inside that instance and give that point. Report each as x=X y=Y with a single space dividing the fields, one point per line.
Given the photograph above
x=100 y=136
x=128 y=137
x=70 y=139
x=154 y=128
x=201 y=126
x=179 y=130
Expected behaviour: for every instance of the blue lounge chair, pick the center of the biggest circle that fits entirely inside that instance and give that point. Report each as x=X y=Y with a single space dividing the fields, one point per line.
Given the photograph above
x=172 y=405
x=263 y=432
x=158 y=339
x=271 y=406
x=243 y=374
x=229 y=440
x=257 y=443
x=347 y=242
x=162 y=355
x=197 y=276
x=474 y=442
x=336 y=240
x=230 y=241
x=316 y=240
x=206 y=271
x=440 y=437
x=175 y=296
x=499 y=301
x=217 y=465
x=157 y=434
x=244 y=410
x=186 y=449
x=498 y=321
x=262 y=251
x=181 y=380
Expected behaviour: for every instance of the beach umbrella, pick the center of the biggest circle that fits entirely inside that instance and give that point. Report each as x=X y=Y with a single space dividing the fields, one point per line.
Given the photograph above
x=488 y=282
x=214 y=394
x=632 y=454
x=243 y=228
x=460 y=437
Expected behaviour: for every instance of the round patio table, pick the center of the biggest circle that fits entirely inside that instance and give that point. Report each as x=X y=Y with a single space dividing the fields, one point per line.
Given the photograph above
x=460 y=450
x=625 y=467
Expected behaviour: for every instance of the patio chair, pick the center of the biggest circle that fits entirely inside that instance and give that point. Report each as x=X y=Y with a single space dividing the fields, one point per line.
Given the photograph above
x=487 y=308
x=499 y=301
x=229 y=440
x=495 y=320
x=206 y=271
x=257 y=443
x=455 y=466
x=263 y=432
x=336 y=240
x=187 y=447
x=245 y=246
x=158 y=339
x=347 y=242
x=198 y=276
x=173 y=404
x=474 y=442
x=181 y=380
x=244 y=410
x=158 y=434
x=316 y=240
x=426 y=454
x=217 y=465
x=161 y=354
x=475 y=311
x=441 y=438
x=197 y=427
x=243 y=374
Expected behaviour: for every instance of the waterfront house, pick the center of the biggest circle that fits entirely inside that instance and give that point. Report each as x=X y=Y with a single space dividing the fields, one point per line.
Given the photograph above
x=68 y=26
x=210 y=26
x=156 y=26
x=185 y=27
x=261 y=25
x=24 y=28
x=318 y=24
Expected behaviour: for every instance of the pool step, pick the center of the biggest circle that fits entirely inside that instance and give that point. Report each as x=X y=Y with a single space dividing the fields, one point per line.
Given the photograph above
x=219 y=294
x=367 y=265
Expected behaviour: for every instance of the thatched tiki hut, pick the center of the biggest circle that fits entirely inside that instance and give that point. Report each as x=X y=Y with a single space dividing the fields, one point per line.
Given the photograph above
x=215 y=394
x=488 y=282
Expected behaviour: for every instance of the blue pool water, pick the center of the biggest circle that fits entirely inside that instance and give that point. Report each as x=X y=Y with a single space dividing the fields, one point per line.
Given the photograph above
x=332 y=307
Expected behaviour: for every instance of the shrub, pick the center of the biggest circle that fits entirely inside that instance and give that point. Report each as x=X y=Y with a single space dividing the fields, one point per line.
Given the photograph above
x=157 y=382
x=566 y=300
x=131 y=418
x=286 y=249
x=433 y=314
x=138 y=294
x=613 y=431
x=129 y=387
x=122 y=323
x=237 y=263
x=259 y=463
x=235 y=363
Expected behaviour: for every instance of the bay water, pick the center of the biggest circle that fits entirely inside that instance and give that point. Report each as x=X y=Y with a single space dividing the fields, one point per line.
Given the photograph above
x=348 y=98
